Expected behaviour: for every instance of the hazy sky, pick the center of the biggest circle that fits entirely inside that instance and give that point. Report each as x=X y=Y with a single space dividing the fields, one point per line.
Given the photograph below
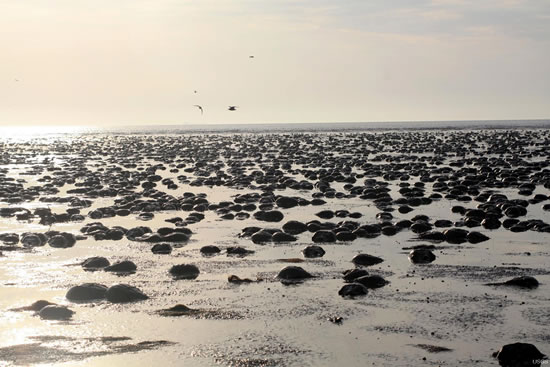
x=118 y=62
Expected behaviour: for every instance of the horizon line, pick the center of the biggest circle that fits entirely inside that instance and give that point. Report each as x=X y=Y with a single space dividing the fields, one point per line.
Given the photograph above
x=267 y=123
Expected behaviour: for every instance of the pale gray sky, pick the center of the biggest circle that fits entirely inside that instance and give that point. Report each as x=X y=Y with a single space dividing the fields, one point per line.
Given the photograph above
x=122 y=62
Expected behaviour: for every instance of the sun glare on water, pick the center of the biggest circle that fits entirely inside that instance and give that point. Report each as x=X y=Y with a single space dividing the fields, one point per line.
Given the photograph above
x=22 y=133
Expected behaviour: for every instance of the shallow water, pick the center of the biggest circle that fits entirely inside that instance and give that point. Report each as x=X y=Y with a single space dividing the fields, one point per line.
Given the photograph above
x=267 y=323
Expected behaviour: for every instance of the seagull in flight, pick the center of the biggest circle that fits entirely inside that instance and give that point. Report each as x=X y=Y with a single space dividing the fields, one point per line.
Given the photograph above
x=232 y=108
x=199 y=107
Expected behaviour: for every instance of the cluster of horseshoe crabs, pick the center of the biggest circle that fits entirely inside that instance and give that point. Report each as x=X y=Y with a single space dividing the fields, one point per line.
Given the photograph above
x=397 y=220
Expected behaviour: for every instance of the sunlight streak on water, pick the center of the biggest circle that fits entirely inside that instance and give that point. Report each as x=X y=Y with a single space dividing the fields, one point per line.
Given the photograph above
x=26 y=133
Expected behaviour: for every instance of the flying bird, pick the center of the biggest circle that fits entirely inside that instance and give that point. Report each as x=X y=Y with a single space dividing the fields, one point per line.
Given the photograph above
x=251 y=56
x=199 y=107
x=232 y=108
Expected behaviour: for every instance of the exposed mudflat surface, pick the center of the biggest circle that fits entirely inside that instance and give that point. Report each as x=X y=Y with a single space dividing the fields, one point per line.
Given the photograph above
x=357 y=186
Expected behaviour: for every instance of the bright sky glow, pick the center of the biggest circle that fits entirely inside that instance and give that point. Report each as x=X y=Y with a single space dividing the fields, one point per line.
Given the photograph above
x=105 y=62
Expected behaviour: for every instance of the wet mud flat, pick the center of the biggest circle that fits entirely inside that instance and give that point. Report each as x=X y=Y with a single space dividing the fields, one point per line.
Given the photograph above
x=386 y=248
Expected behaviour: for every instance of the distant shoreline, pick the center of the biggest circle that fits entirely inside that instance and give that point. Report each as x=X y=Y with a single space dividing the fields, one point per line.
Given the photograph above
x=279 y=127
x=328 y=127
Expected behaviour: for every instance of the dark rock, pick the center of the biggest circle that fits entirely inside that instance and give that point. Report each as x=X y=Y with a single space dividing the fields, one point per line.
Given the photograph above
x=371 y=281
x=62 y=240
x=324 y=236
x=344 y=236
x=293 y=273
x=269 y=216
x=510 y=222
x=341 y=213
x=33 y=239
x=313 y=226
x=366 y=260
x=237 y=280
x=475 y=213
x=491 y=223
x=123 y=293
x=249 y=231
x=405 y=223
x=114 y=234
x=55 y=312
x=261 y=236
x=455 y=235
x=210 y=250
x=313 y=251
x=472 y=222
x=134 y=233
x=420 y=227
x=238 y=251
x=421 y=256
x=443 y=223
x=184 y=271
x=519 y=355
x=146 y=216
x=352 y=274
x=162 y=249
x=432 y=236
x=353 y=290
x=294 y=227
x=9 y=238
x=458 y=209
x=384 y=216
x=325 y=214
x=242 y=216
x=520 y=227
x=96 y=262
x=476 y=237
x=421 y=218
x=282 y=237
x=177 y=310
x=515 y=211
x=318 y=202
x=174 y=220
x=526 y=281
x=86 y=292
x=389 y=230
x=523 y=282
x=286 y=202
